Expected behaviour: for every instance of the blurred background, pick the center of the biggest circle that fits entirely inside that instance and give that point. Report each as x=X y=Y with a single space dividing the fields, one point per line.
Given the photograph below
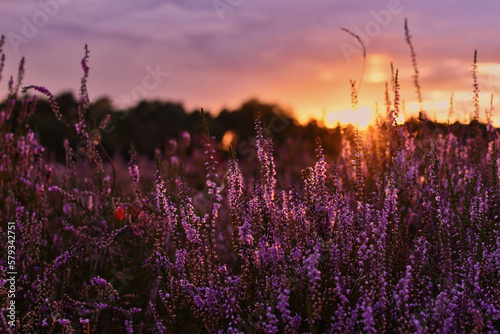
x=217 y=54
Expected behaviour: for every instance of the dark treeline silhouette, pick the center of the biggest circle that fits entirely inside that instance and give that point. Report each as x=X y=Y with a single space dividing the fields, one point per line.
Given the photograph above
x=150 y=124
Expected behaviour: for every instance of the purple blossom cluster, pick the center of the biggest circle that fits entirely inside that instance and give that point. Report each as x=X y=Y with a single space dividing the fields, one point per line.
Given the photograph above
x=400 y=233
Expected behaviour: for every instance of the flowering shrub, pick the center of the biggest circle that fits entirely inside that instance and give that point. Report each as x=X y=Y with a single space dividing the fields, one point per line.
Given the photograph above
x=400 y=233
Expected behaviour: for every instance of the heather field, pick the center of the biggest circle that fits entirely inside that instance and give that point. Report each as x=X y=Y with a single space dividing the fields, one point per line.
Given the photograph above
x=390 y=229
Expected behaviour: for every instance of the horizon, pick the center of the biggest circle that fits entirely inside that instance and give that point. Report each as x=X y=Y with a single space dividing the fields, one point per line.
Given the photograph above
x=217 y=55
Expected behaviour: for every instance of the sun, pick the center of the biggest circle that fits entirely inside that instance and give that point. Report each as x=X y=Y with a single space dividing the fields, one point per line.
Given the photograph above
x=362 y=116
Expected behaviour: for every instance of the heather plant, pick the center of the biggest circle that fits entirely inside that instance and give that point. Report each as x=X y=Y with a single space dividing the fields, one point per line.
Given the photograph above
x=400 y=232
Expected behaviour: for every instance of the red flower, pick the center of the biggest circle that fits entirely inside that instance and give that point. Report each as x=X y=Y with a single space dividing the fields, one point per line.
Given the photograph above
x=119 y=214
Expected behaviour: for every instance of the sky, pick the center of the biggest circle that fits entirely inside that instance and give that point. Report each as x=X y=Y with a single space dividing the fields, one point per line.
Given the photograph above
x=219 y=53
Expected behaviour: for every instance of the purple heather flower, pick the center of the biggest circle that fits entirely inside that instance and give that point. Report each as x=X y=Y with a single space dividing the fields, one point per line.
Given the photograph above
x=52 y=100
x=271 y=324
x=186 y=138
x=368 y=319
x=99 y=281
x=129 y=326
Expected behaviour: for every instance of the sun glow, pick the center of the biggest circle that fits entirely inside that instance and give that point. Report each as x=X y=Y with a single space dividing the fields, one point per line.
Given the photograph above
x=377 y=65
x=362 y=116
x=228 y=139
x=493 y=70
x=400 y=120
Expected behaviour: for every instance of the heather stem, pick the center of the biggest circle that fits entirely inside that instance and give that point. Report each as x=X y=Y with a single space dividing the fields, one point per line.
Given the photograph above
x=415 y=68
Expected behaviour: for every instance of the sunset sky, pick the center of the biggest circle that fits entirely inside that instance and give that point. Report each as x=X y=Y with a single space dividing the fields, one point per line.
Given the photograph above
x=219 y=53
